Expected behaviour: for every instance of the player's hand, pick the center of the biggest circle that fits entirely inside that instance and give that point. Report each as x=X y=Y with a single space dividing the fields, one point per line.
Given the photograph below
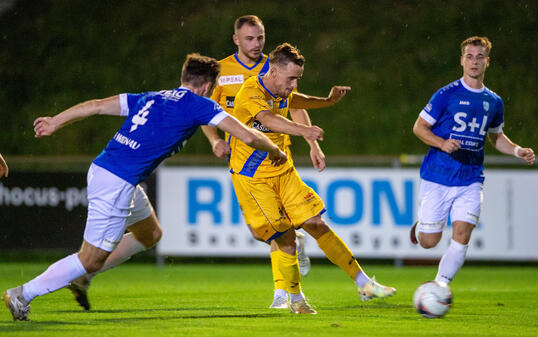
x=527 y=154
x=4 y=170
x=313 y=133
x=44 y=126
x=318 y=157
x=337 y=92
x=221 y=148
x=278 y=157
x=451 y=145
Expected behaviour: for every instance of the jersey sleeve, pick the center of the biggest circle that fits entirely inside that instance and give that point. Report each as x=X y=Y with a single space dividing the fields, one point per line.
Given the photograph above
x=435 y=107
x=497 y=123
x=128 y=103
x=209 y=113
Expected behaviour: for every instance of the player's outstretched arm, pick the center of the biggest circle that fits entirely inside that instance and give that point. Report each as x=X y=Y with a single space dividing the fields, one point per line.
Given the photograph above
x=316 y=154
x=506 y=146
x=303 y=101
x=422 y=129
x=277 y=123
x=4 y=170
x=253 y=139
x=219 y=146
x=46 y=126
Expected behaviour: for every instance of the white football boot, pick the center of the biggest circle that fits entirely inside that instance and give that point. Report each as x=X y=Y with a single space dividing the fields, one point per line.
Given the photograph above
x=279 y=303
x=17 y=304
x=301 y=307
x=372 y=289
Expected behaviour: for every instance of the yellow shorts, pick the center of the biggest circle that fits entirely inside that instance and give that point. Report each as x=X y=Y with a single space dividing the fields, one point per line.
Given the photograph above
x=273 y=205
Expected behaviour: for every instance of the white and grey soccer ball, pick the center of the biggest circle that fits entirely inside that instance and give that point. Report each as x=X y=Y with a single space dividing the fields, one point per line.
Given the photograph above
x=432 y=299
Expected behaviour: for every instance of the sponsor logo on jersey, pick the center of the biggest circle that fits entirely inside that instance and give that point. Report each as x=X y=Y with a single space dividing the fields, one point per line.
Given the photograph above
x=485 y=104
x=231 y=79
x=124 y=140
x=465 y=103
x=173 y=95
x=259 y=126
x=270 y=102
x=230 y=101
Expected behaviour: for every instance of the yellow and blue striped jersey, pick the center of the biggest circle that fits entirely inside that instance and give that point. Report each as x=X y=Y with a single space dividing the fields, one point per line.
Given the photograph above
x=252 y=98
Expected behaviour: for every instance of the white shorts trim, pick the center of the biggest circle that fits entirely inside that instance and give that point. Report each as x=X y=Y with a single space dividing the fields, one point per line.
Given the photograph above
x=437 y=202
x=113 y=204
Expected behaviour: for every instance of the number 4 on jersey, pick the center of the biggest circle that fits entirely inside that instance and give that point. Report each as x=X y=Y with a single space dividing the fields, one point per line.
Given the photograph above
x=140 y=117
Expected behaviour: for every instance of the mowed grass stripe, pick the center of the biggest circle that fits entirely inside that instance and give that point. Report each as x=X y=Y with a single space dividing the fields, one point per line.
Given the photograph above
x=233 y=300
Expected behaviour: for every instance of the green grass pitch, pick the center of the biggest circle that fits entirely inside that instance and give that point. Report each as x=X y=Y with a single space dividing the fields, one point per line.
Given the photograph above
x=232 y=300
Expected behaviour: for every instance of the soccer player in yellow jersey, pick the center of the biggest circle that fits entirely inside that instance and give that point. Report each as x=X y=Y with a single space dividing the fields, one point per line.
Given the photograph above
x=274 y=200
x=248 y=61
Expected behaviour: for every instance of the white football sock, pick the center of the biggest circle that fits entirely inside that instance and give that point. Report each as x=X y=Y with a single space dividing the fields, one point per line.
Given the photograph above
x=361 y=279
x=57 y=276
x=451 y=261
x=280 y=293
x=127 y=247
x=296 y=297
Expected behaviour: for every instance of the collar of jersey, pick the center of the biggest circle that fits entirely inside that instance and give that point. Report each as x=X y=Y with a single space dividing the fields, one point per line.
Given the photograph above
x=472 y=89
x=263 y=85
x=244 y=65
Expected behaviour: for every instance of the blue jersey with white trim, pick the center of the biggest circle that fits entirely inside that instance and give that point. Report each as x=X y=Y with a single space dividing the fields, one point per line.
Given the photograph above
x=158 y=125
x=460 y=112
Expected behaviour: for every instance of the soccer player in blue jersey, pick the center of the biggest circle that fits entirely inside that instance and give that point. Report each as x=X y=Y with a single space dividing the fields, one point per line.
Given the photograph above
x=157 y=125
x=4 y=170
x=454 y=124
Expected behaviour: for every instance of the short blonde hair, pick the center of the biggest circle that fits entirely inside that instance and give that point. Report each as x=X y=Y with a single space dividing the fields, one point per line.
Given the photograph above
x=284 y=54
x=476 y=41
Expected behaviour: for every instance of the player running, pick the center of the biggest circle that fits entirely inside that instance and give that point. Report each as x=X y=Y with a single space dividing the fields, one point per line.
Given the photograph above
x=248 y=61
x=158 y=124
x=274 y=200
x=455 y=123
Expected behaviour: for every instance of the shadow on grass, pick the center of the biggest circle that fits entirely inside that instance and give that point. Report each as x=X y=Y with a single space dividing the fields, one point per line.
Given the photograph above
x=373 y=305
x=124 y=311
x=47 y=325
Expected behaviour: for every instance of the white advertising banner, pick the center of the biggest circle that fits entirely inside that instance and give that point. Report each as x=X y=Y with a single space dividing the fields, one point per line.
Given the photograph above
x=371 y=209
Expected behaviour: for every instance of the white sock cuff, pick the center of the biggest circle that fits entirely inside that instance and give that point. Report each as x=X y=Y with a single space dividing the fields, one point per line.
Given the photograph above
x=77 y=263
x=458 y=246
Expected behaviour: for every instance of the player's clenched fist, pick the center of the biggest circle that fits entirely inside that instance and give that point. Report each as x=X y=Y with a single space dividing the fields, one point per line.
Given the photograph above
x=313 y=133
x=451 y=145
x=278 y=157
x=44 y=126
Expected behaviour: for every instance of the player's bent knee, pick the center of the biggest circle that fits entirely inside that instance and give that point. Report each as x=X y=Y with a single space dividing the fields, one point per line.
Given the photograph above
x=316 y=227
x=428 y=242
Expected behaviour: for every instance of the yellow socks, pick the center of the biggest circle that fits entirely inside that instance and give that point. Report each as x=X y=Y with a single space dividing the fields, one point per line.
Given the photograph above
x=278 y=278
x=286 y=272
x=337 y=252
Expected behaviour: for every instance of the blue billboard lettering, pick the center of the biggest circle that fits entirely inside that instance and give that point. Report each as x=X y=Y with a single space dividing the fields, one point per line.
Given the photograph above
x=383 y=188
x=312 y=185
x=236 y=209
x=210 y=206
x=356 y=213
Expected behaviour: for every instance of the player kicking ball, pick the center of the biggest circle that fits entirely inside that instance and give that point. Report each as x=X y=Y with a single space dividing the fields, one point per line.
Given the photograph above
x=157 y=126
x=274 y=200
x=454 y=124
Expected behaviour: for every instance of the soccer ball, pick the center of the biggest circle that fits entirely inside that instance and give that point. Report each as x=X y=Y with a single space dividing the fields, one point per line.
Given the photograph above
x=432 y=299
